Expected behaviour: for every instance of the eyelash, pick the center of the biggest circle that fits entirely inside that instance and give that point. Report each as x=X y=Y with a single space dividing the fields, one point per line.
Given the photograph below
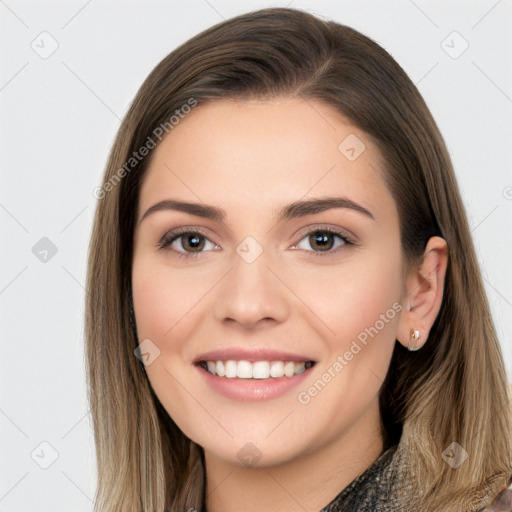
x=171 y=236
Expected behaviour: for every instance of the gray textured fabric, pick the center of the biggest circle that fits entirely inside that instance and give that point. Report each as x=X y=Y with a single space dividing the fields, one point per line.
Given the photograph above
x=372 y=491
x=380 y=488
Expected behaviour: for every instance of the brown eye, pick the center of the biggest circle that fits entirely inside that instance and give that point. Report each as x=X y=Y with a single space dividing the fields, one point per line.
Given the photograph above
x=322 y=240
x=186 y=243
x=192 y=241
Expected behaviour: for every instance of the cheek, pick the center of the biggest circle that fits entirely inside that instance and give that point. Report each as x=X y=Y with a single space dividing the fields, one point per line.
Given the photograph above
x=360 y=304
x=164 y=311
x=151 y=296
x=161 y=299
x=352 y=297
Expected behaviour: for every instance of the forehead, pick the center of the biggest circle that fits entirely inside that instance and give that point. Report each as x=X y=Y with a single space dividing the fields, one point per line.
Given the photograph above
x=264 y=154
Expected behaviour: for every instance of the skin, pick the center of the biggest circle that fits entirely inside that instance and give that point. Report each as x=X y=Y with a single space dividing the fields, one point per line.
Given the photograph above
x=250 y=158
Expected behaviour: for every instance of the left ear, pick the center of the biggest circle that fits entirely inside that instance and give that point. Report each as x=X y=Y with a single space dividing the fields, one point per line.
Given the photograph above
x=423 y=295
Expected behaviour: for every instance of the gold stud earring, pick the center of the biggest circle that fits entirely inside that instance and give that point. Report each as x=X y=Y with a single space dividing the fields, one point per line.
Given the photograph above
x=414 y=337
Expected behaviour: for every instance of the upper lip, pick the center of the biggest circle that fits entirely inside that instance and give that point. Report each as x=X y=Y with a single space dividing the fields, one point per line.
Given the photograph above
x=250 y=354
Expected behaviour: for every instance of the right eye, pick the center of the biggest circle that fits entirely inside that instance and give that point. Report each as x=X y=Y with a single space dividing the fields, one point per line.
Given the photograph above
x=186 y=243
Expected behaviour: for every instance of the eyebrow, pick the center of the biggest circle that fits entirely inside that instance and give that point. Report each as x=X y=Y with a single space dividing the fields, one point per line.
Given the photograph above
x=290 y=211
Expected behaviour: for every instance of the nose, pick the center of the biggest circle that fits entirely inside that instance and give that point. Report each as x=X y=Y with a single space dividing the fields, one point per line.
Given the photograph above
x=251 y=295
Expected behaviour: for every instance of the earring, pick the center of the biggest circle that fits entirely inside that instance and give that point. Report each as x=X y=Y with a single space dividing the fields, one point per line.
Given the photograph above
x=414 y=336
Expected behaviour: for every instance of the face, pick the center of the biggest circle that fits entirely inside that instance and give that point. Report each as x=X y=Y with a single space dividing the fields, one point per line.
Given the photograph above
x=299 y=306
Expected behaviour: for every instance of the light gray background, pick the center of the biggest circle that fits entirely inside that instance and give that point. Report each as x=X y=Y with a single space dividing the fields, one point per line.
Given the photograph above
x=59 y=115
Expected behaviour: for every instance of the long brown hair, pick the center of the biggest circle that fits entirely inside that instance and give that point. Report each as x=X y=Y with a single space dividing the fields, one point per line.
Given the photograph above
x=454 y=389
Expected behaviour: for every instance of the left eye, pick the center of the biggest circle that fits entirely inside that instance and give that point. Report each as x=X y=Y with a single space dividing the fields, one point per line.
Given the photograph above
x=323 y=240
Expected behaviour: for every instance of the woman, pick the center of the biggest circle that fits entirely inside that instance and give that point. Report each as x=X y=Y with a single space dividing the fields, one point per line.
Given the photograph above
x=285 y=310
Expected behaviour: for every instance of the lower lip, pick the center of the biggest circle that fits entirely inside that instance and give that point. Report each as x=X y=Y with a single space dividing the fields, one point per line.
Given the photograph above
x=252 y=389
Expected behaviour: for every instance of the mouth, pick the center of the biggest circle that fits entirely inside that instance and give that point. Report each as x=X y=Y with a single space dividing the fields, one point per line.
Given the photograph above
x=256 y=375
x=255 y=370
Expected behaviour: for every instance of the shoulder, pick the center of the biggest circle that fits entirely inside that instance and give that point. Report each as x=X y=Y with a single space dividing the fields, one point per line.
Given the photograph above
x=502 y=502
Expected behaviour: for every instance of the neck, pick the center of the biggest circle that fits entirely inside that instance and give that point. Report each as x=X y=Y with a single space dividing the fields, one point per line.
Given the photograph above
x=308 y=482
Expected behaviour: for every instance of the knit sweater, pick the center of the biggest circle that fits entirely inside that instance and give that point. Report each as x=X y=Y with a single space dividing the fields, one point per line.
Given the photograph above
x=376 y=490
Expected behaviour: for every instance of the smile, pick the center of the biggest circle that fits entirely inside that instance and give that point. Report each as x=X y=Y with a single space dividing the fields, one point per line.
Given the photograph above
x=248 y=381
x=242 y=369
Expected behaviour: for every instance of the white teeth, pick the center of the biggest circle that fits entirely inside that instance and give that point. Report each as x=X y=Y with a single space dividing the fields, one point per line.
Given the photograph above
x=244 y=370
x=219 y=369
x=300 y=367
x=277 y=369
x=261 y=370
x=230 y=369
x=289 y=369
x=256 y=370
